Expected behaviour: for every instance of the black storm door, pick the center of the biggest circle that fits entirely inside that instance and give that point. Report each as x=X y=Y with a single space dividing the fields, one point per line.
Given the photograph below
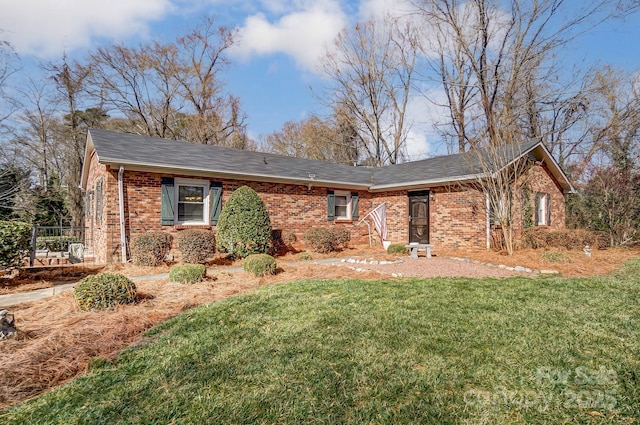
x=419 y=216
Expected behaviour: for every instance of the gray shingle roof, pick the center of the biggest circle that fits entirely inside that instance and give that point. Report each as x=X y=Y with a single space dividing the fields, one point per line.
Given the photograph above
x=448 y=167
x=117 y=149
x=130 y=149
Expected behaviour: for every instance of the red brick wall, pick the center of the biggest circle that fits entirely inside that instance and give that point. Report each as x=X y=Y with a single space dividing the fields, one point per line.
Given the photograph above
x=457 y=216
x=397 y=214
x=102 y=230
x=539 y=179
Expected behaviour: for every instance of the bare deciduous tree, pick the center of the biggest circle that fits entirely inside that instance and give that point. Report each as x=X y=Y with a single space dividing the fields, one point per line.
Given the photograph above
x=172 y=90
x=493 y=59
x=312 y=138
x=8 y=66
x=33 y=134
x=501 y=173
x=371 y=69
x=69 y=79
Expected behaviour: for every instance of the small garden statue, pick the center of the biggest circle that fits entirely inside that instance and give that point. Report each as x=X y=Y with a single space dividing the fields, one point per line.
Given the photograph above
x=7 y=325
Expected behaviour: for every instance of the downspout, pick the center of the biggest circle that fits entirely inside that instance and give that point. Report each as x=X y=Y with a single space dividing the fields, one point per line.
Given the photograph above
x=488 y=224
x=123 y=235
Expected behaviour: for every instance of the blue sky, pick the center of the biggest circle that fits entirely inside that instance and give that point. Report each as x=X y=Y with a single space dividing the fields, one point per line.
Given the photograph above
x=274 y=61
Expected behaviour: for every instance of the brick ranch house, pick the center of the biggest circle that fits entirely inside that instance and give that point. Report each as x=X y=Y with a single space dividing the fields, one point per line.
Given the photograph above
x=135 y=184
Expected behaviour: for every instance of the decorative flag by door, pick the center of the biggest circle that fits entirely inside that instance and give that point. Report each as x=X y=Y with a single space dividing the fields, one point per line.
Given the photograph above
x=379 y=217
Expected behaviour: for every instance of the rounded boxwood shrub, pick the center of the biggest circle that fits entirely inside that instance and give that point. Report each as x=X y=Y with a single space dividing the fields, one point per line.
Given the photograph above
x=150 y=249
x=15 y=237
x=104 y=290
x=397 y=248
x=187 y=273
x=196 y=245
x=304 y=256
x=326 y=239
x=260 y=264
x=244 y=227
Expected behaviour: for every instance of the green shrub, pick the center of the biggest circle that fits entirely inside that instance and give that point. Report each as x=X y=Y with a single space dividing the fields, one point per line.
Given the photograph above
x=282 y=241
x=104 y=290
x=326 y=239
x=304 y=256
x=196 y=245
x=244 y=227
x=289 y=238
x=260 y=264
x=397 y=248
x=187 y=273
x=571 y=239
x=150 y=249
x=15 y=237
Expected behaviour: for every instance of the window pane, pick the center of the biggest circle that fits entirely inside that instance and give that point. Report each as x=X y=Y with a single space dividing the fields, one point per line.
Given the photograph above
x=190 y=212
x=190 y=194
x=342 y=206
x=542 y=209
x=341 y=200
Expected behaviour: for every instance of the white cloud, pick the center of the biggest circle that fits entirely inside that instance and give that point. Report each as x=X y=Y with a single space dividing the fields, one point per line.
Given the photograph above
x=48 y=28
x=301 y=33
x=426 y=111
x=377 y=9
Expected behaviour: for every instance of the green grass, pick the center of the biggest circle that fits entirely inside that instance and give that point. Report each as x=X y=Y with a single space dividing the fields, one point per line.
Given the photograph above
x=416 y=351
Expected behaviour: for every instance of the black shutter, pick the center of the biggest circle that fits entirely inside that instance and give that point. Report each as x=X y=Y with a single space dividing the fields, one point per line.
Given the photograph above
x=215 y=202
x=354 y=205
x=168 y=200
x=536 y=213
x=331 y=205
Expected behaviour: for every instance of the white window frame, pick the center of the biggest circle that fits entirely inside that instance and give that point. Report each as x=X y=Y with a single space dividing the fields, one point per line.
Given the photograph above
x=341 y=193
x=205 y=210
x=543 y=208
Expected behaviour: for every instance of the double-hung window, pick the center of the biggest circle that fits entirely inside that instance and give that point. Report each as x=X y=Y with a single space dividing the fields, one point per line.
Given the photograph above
x=190 y=201
x=342 y=205
x=192 y=205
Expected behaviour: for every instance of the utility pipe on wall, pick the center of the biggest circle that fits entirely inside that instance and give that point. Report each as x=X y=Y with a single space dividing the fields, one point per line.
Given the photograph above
x=123 y=235
x=488 y=202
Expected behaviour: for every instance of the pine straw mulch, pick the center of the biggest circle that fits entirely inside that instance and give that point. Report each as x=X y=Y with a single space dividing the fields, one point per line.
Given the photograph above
x=56 y=341
x=568 y=263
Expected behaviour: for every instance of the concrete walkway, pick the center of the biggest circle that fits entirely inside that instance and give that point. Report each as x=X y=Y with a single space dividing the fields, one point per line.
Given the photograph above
x=9 y=300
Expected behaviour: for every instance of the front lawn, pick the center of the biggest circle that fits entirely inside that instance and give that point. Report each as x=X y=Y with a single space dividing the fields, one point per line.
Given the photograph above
x=353 y=351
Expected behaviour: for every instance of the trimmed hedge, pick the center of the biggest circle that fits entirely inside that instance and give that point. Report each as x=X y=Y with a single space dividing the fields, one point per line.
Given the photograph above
x=326 y=239
x=244 y=226
x=150 y=249
x=397 y=248
x=187 y=273
x=104 y=290
x=15 y=237
x=196 y=245
x=260 y=264
x=540 y=237
x=282 y=241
